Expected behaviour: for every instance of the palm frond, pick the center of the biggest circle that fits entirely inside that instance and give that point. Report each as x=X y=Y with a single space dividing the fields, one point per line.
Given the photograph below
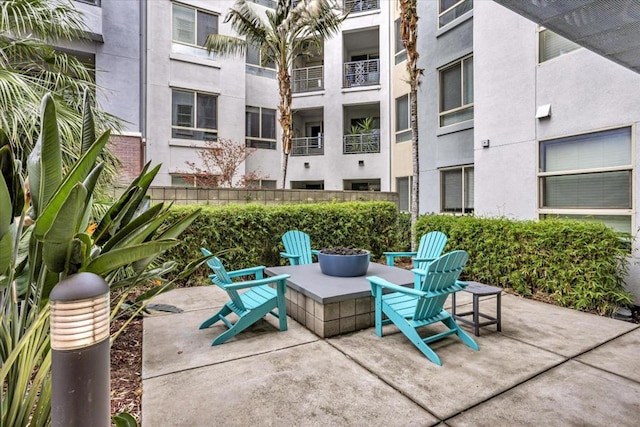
x=45 y=19
x=225 y=45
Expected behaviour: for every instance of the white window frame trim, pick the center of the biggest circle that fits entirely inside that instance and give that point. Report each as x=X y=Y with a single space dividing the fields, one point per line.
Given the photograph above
x=195 y=113
x=395 y=117
x=590 y=211
x=538 y=62
x=462 y=107
x=453 y=168
x=195 y=32
x=457 y=19
x=247 y=137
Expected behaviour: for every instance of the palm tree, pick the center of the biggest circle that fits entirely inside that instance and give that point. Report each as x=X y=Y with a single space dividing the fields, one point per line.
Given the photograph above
x=409 y=35
x=30 y=67
x=293 y=28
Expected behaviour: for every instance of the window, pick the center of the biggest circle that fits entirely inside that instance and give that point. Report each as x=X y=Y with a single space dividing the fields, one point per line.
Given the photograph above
x=403 y=119
x=401 y=53
x=452 y=9
x=255 y=57
x=588 y=176
x=552 y=45
x=192 y=26
x=403 y=187
x=362 y=184
x=456 y=188
x=456 y=92
x=264 y=184
x=260 y=127
x=194 y=115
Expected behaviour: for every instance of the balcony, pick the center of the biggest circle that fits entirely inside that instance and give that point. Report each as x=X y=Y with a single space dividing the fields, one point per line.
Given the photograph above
x=361 y=73
x=308 y=79
x=310 y=146
x=362 y=143
x=361 y=5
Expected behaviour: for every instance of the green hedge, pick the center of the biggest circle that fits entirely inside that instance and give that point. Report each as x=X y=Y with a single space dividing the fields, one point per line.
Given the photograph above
x=579 y=264
x=248 y=235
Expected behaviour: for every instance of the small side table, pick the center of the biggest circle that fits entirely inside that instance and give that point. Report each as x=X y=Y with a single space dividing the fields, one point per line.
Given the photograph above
x=478 y=290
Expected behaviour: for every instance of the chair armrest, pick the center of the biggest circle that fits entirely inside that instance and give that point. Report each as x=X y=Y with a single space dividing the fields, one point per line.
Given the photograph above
x=418 y=261
x=247 y=271
x=259 y=282
x=314 y=252
x=419 y=271
x=462 y=284
x=446 y=291
x=397 y=254
x=288 y=255
x=376 y=281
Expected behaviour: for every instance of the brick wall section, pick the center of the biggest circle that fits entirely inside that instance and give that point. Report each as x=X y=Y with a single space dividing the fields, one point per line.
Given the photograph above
x=129 y=150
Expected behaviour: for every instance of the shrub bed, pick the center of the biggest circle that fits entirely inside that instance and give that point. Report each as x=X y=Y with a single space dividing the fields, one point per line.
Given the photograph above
x=248 y=235
x=580 y=265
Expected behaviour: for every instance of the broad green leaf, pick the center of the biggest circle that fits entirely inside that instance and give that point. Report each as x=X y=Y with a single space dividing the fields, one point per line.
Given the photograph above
x=124 y=419
x=45 y=161
x=67 y=218
x=144 y=183
x=176 y=229
x=104 y=229
x=6 y=252
x=110 y=261
x=6 y=214
x=88 y=125
x=11 y=176
x=54 y=255
x=79 y=173
x=130 y=228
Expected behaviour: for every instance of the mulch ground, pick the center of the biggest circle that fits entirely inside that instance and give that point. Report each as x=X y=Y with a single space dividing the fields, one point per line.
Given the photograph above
x=126 y=369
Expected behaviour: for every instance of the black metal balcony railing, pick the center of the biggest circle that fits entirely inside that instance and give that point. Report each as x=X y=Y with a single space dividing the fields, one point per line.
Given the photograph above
x=361 y=73
x=362 y=143
x=310 y=146
x=308 y=79
x=361 y=5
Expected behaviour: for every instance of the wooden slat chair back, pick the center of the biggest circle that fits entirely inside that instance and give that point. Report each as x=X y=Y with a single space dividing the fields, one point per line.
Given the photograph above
x=256 y=301
x=297 y=246
x=431 y=247
x=410 y=309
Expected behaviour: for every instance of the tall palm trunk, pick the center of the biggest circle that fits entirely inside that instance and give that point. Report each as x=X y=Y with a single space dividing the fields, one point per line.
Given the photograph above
x=409 y=35
x=286 y=121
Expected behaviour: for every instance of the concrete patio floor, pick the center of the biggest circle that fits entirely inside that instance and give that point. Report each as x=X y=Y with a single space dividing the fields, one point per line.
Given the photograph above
x=548 y=366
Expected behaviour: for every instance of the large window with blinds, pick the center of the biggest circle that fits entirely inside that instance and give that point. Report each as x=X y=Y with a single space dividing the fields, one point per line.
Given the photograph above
x=194 y=115
x=260 y=127
x=588 y=176
x=192 y=26
x=456 y=189
x=552 y=45
x=456 y=92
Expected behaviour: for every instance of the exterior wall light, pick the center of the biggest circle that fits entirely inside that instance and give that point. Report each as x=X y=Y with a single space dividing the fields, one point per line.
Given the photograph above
x=80 y=352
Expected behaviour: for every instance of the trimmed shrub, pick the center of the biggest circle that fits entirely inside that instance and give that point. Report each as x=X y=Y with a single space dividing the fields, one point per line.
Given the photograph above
x=579 y=264
x=248 y=235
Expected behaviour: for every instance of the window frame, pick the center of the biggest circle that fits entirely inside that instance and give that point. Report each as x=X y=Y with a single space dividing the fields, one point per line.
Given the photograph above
x=452 y=8
x=266 y=66
x=463 y=191
x=541 y=30
x=195 y=30
x=259 y=142
x=194 y=117
x=469 y=106
x=586 y=212
x=401 y=134
x=409 y=182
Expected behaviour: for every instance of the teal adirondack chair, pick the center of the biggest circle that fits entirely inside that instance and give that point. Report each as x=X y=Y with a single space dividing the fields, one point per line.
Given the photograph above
x=431 y=247
x=410 y=309
x=297 y=246
x=259 y=300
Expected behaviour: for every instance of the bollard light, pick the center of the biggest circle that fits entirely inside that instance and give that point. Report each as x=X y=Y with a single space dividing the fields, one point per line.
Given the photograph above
x=80 y=362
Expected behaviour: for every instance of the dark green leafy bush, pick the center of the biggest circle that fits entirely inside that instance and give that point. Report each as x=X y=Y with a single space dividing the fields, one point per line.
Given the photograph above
x=247 y=235
x=580 y=265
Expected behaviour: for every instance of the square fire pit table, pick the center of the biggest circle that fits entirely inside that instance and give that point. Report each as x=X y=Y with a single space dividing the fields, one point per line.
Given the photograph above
x=330 y=306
